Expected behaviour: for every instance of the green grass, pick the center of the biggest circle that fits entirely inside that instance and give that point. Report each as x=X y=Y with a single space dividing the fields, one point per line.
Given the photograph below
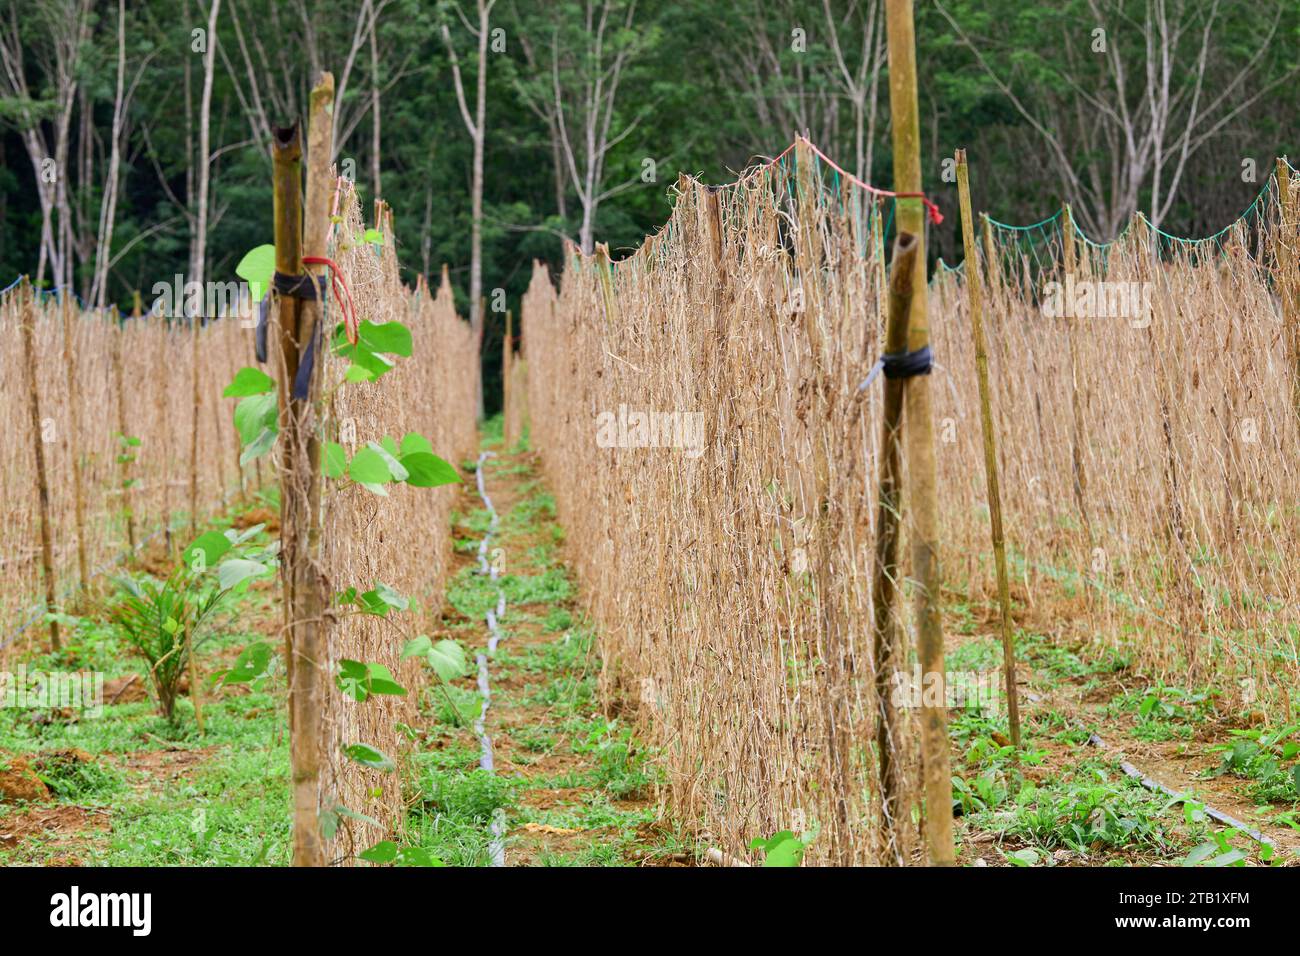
x=229 y=806
x=473 y=594
x=453 y=802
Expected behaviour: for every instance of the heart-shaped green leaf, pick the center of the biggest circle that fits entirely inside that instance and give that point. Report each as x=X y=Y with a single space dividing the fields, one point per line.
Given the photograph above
x=368 y=756
x=249 y=381
x=368 y=467
x=425 y=470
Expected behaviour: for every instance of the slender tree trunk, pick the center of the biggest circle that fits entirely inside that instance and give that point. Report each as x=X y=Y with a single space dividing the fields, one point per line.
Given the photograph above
x=108 y=208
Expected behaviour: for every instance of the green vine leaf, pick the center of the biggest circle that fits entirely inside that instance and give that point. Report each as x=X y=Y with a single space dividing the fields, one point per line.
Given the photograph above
x=426 y=470
x=335 y=460
x=256 y=268
x=359 y=681
x=368 y=756
x=368 y=467
x=249 y=381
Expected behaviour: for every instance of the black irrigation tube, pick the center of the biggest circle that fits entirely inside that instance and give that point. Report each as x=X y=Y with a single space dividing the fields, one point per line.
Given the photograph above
x=496 y=846
x=1151 y=783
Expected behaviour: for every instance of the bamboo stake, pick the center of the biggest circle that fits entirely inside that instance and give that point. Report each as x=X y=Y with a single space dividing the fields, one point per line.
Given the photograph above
x=74 y=439
x=505 y=377
x=299 y=321
x=990 y=257
x=257 y=462
x=887 y=633
x=124 y=450
x=196 y=322
x=975 y=293
x=196 y=694
x=163 y=363
x=232 y=367
x=605 y=270
x=27 y=307
x=1076 y=439
x=935 y=769
x=1285 y=255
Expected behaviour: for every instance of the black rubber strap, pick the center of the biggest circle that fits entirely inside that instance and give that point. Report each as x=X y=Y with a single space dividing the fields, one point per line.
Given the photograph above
x=907 y=364
x=300 y=286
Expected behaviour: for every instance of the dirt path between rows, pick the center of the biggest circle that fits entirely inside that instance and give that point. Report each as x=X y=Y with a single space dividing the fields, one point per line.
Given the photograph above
x=581 y=789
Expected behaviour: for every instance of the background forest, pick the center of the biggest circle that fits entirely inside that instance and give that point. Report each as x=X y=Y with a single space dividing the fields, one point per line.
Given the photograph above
x=133 y=135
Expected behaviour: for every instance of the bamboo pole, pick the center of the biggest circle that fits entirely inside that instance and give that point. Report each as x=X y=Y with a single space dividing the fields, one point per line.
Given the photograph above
x=1285 y=254
x=991 y=264
x=1077 y=433
x=232 y=368
x=27 y=309
x=162 y=365
x=299 y=320
x=196 y=322
x=196 y=690
x=975 y=292
x=887 y=631
x=606 y=273
x=73 y=437
x=505 y=378
x=935 y=769
x=124 y=450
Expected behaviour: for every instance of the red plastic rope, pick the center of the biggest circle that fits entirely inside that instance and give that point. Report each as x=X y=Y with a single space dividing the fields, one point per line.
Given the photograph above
x=936 y=216
x=350 y=325
x=931 y=208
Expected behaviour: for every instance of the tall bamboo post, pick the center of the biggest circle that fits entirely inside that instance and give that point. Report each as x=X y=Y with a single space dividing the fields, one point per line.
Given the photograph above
x=991 y=264
x=196 y=323
x=124 y=450
x=606 y=273
x=163 y=363
x=27 y=309
x=887 y=631
x=505 y=377
x=1180 y=543
x=1076 y=404
x=975 y=293
x=1285 y=255
x=298 y=322
x=935 y=768
x=73 y=436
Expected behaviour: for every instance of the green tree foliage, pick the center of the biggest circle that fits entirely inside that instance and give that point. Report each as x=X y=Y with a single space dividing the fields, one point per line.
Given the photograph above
x=707 y=87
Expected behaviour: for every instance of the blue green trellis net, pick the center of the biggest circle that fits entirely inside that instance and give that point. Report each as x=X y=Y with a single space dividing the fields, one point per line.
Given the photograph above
x=1040 y=242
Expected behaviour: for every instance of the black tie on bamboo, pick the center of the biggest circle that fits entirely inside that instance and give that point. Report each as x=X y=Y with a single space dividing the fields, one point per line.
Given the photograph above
x=907 y=364
x=300 y=287
x=901 y=365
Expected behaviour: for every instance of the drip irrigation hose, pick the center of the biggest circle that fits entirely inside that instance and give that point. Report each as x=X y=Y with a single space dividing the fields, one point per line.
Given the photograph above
x=1151 y=783
x=496 y=846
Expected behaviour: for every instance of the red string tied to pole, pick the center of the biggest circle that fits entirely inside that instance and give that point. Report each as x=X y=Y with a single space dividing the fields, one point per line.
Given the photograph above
x=351 y=326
